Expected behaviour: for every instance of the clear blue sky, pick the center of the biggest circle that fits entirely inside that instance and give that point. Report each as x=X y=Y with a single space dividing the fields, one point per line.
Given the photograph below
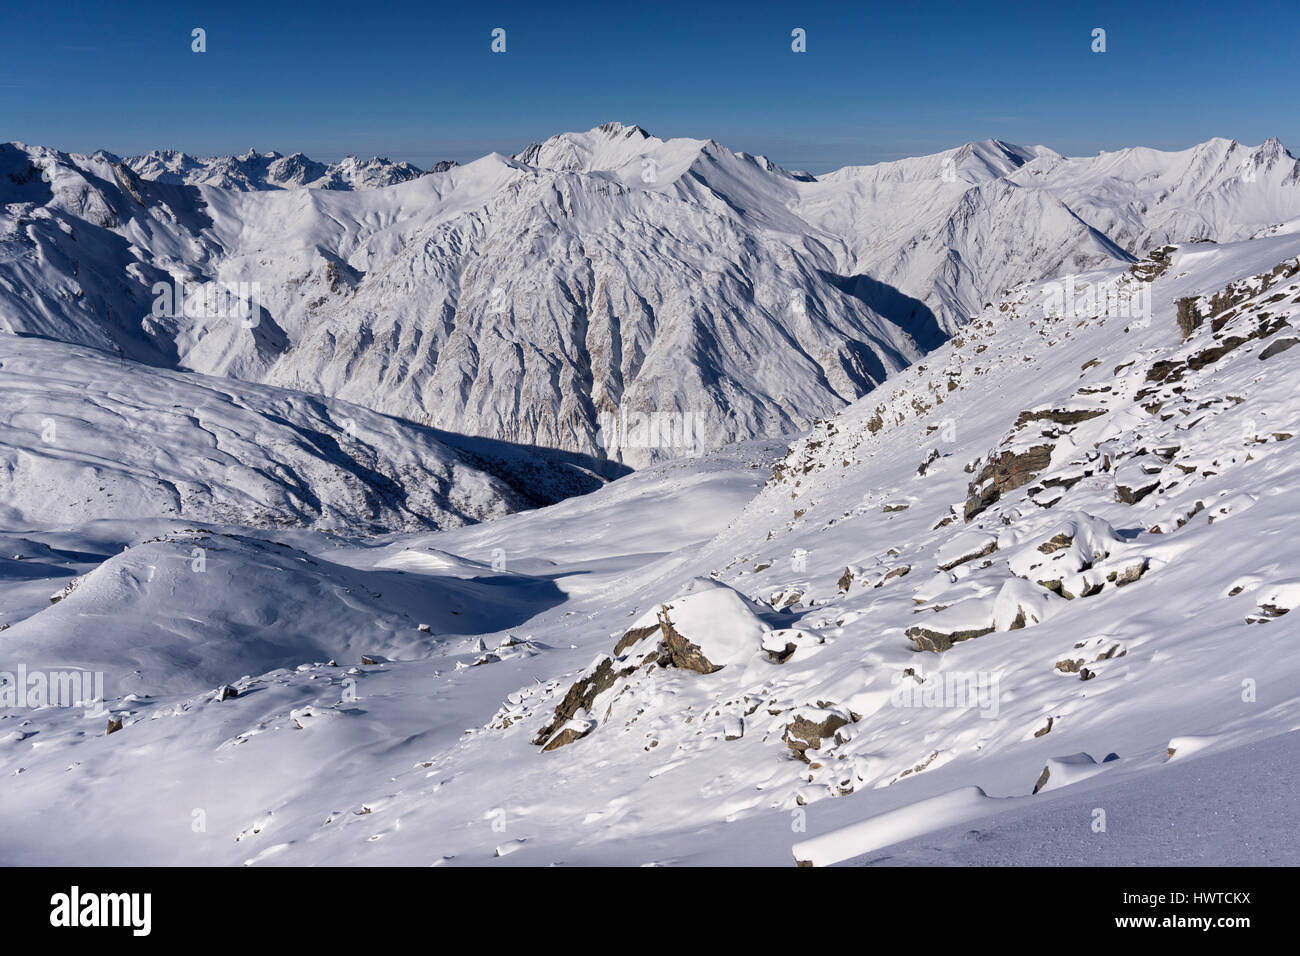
x=418 y=81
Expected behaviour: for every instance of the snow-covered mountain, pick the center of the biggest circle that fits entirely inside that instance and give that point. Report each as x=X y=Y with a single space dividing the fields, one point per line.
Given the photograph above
x=86 y=437
x=1045 y=570
x=253 y=171
x=606 y=293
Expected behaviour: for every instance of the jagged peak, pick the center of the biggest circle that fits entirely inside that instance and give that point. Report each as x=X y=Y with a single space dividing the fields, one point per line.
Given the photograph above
x=619 y=129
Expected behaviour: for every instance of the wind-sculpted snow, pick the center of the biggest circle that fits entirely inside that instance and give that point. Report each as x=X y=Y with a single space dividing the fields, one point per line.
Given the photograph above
x=606 y=293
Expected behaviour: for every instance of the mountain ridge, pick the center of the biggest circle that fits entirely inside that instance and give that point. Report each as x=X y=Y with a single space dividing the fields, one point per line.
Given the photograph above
x=616 y=274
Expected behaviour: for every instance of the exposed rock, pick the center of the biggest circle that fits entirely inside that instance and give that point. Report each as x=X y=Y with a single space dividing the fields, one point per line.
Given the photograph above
x=1060 y=416
x=1155 y=264
x=579 y=699
x=929 y=639
x=1008 y=471
x=1135 y=487
x=1278 y=346
x=1062 y=540
x=898 y=572
x=1042 y=779
x=954 y=553
x=1189 y=317
x=804 y=733
x=930 y=459
x=1129 y=573
x=68 y=588
x=568 y=735
x=682 y=652
x=634 y=636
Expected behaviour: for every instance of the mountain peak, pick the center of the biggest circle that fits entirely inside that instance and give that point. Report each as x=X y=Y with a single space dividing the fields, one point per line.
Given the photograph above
x=620 y=130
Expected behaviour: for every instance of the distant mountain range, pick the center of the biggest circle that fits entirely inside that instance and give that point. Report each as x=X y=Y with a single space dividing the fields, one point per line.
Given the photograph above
x=254 y=171
x=596 y=276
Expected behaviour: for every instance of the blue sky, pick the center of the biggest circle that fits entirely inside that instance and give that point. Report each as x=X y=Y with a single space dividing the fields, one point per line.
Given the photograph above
x=419 y=82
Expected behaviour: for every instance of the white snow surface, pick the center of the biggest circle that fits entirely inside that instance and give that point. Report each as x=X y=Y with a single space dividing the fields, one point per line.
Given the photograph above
x=1130 y=598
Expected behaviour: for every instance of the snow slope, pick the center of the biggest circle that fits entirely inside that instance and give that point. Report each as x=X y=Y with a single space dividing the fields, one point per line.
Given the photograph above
x=85 y=436
x=1060 y=536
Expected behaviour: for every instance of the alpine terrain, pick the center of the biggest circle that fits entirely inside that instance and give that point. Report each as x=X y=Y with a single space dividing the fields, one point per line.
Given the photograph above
x=638 y=501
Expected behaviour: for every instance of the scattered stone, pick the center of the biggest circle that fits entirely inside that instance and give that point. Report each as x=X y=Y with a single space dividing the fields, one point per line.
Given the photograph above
x=1278 y=346
x=929 y=639
x=898 y=572
x=804 y=733
x=1042 y=779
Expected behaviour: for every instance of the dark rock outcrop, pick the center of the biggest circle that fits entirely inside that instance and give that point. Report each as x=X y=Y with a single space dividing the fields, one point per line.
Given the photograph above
x=1007 y=472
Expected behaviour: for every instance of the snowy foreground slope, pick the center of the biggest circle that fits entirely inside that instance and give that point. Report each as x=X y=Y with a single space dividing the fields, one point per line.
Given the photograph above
x=1027 y=602
x=551 y=297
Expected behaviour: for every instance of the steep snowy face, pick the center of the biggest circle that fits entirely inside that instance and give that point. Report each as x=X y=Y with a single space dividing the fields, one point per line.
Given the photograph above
x=959 y=228
x=1142 y=198
x=85 y=437
x=594 y=316
x=606 y=293
x=542 y=307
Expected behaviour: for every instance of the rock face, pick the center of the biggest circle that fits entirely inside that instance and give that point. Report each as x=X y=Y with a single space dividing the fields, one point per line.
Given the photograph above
x=700 y=632
x=680 y=651
x=579 y=698
x=1010 y=470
